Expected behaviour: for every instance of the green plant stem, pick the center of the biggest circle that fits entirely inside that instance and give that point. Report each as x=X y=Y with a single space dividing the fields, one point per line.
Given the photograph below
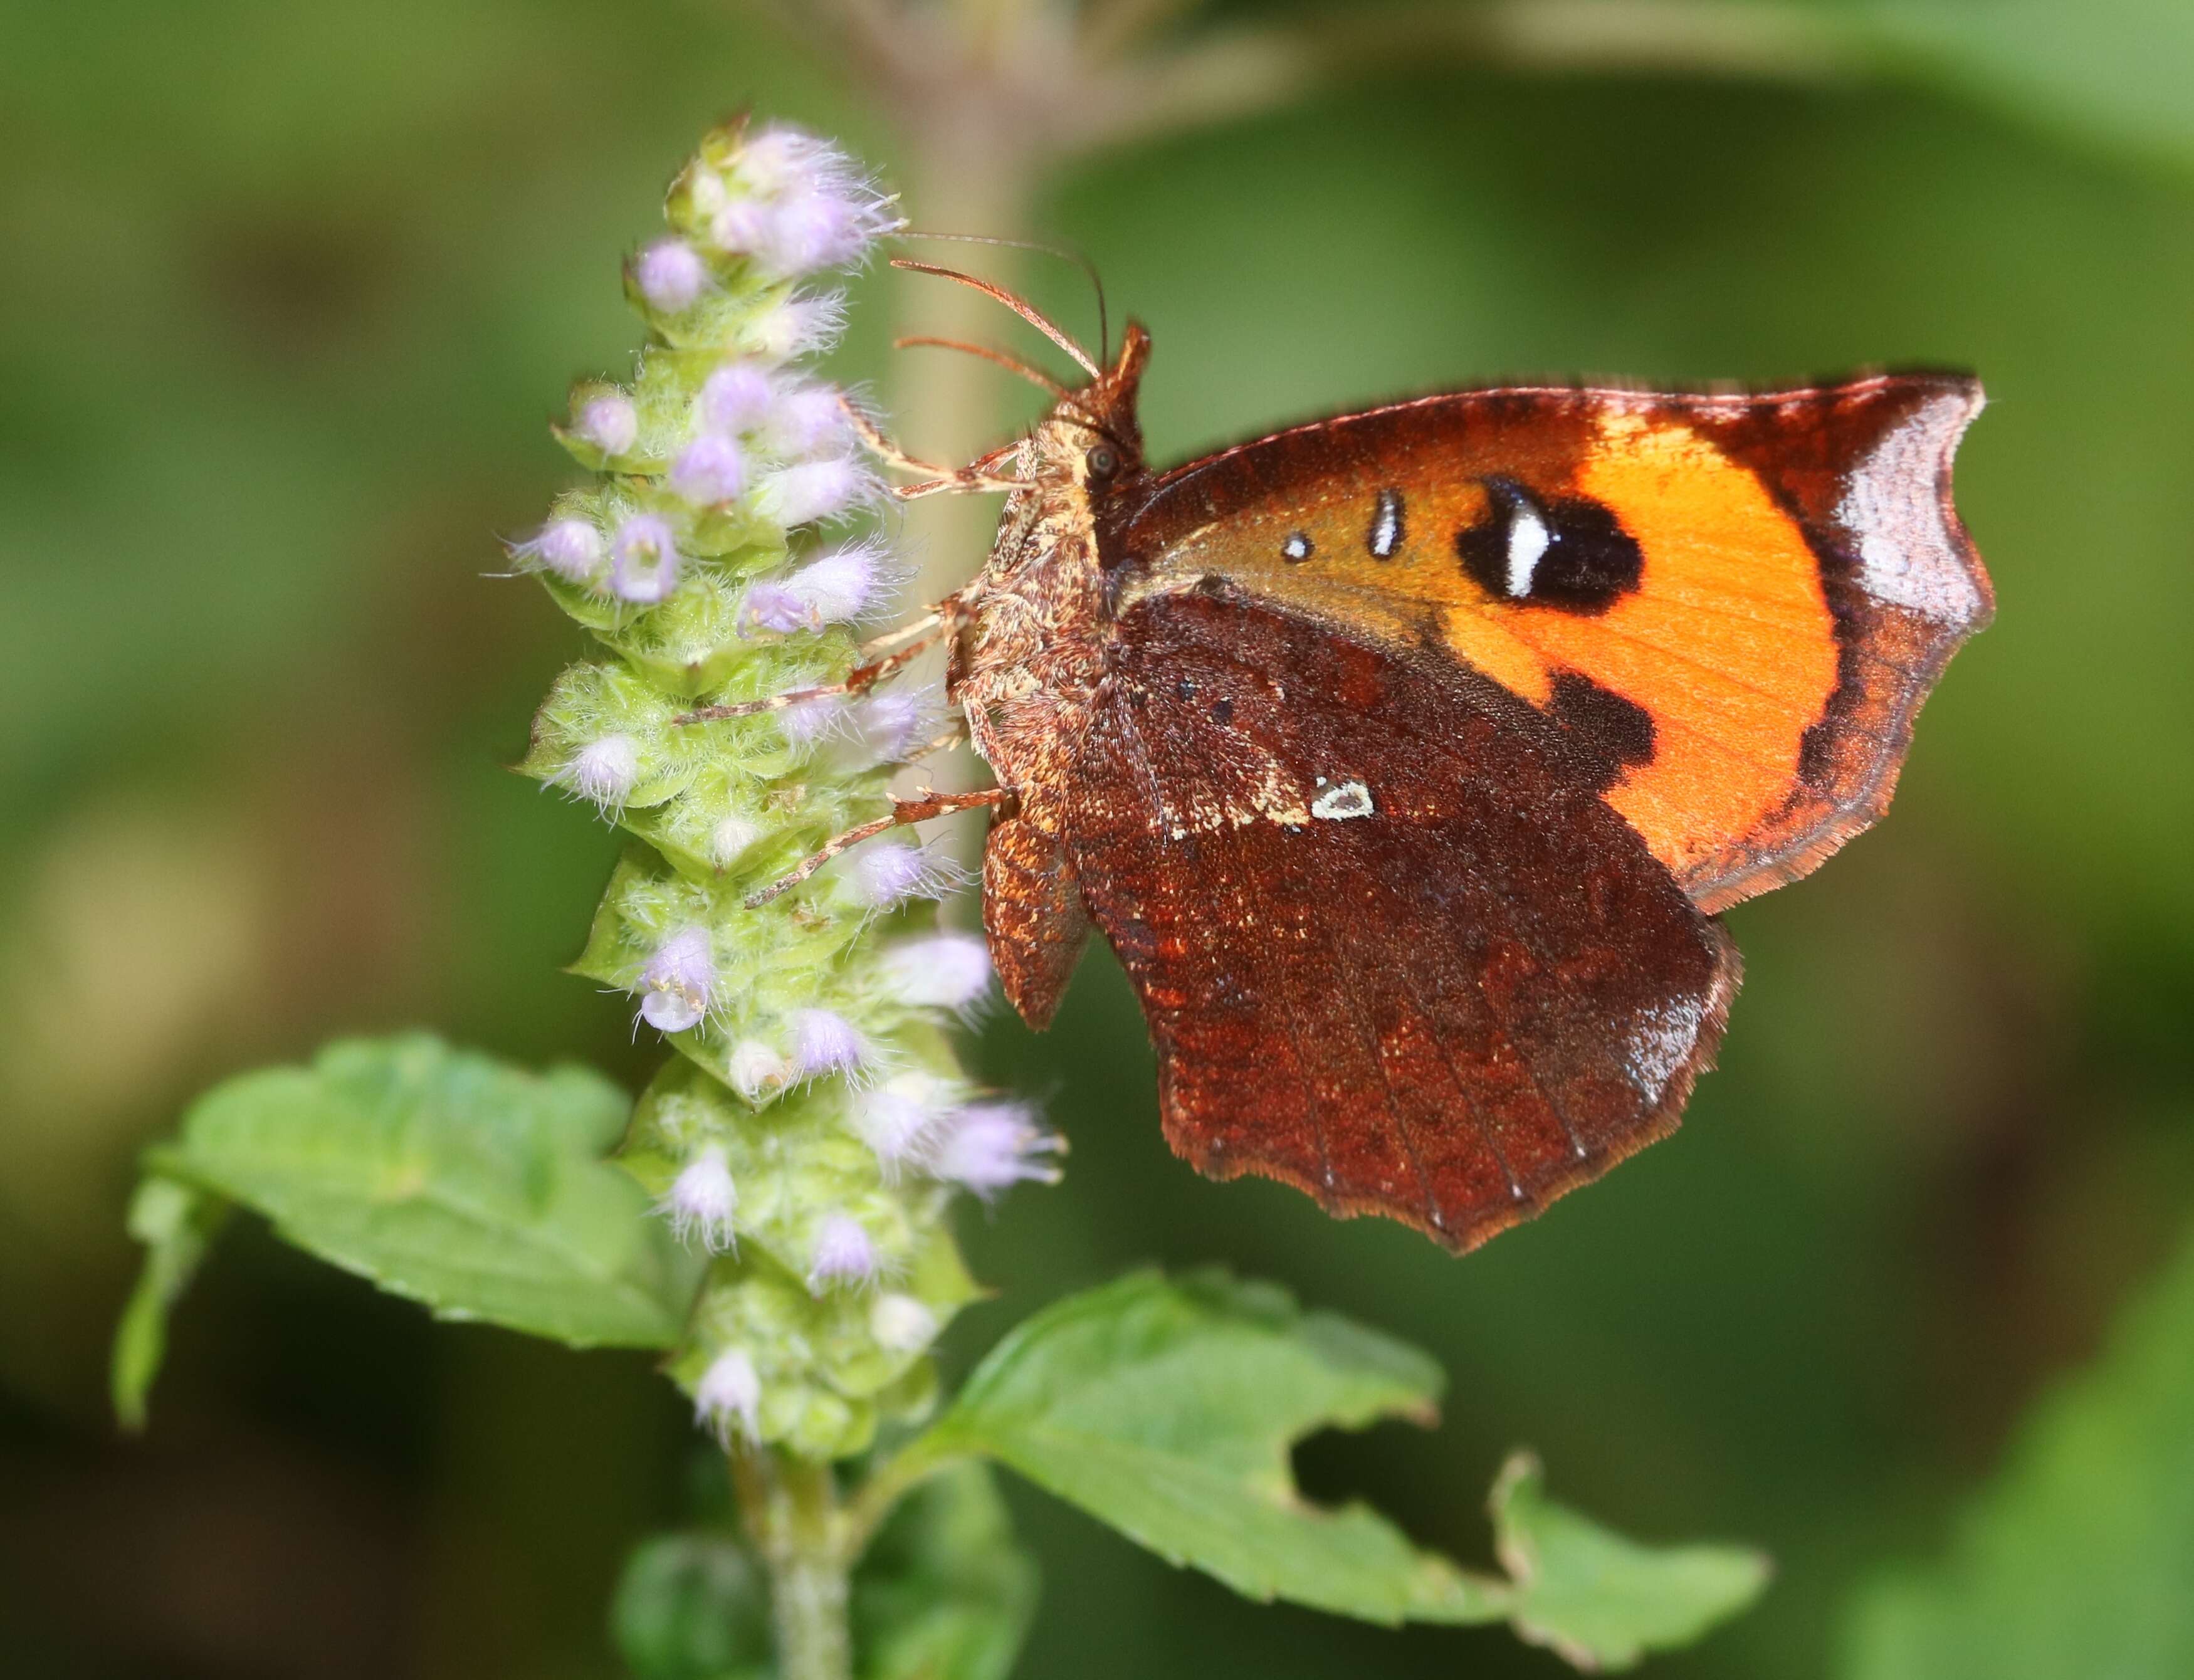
x=791 y=1509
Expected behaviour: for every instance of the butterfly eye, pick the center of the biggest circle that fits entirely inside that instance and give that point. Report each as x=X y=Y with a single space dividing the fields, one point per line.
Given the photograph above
x=1103 y=461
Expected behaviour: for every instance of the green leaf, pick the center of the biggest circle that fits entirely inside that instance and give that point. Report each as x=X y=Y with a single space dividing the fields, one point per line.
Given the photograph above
x=177 y=1224
x=1602 y=1600
x=1167 y=1409
x=2079 y=1559
x=946 y=1593
x=691 y=1607
x=476 y=1189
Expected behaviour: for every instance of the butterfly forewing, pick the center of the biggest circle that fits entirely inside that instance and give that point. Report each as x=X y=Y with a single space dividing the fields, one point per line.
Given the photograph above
x=1740 y=600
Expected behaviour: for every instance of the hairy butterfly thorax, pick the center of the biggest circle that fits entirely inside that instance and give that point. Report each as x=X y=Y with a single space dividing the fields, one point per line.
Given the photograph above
x=1405 y=757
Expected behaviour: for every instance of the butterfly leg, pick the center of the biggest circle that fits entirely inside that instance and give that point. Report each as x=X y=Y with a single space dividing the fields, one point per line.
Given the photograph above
x=892 y=650
x=903 y=811
x=976 y=475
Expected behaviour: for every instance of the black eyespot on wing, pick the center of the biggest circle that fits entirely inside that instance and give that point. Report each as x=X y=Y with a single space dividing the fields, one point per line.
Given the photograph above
x=1569 y=552
x=1606 y=733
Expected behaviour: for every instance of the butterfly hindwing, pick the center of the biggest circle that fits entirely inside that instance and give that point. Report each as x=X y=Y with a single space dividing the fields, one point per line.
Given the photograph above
x=1392 y=946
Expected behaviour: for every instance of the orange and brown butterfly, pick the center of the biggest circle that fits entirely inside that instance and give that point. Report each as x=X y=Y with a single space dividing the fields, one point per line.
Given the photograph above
x=1406 y=757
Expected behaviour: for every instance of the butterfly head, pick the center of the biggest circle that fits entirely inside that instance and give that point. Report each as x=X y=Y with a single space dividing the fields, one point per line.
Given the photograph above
x=1092 y=440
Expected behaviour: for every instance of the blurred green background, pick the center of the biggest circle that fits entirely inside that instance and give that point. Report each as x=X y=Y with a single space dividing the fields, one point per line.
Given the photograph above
x=290 y=290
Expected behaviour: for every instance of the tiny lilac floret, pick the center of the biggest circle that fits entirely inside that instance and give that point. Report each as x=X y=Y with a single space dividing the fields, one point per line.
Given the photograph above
x=885 y=875
x=737 y=397
x=843 y=1253
x=898 y=1120
x=701 y=1201
x=710 y=470
x=757 y=1070
x=678 y=983
x=809 y=420
x=670 y=275
x=839 y=587
x=729 y=839
x=808 y=721
x=826 y=1042
x=571 y=548
x=609 y=423
x=901 y=1323
x=646 y=558
x=809 y=492
x=798 y=326
x=992 y=1145
x=894 y=721
x=945 y=971
x=605 y=770
x=728 y=1396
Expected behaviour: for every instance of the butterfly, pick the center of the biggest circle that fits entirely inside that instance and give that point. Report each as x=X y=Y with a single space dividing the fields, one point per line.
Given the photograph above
x=1407 y=758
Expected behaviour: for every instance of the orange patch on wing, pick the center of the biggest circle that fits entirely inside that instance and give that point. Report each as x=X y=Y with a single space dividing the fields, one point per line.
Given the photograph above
x=1728 y=640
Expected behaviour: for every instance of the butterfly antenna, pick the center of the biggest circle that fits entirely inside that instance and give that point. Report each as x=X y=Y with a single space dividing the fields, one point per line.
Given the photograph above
x=1079 y=258
x=1011 y=364
x=1021 y=307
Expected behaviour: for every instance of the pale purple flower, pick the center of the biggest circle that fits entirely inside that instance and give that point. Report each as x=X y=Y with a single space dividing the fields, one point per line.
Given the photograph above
x=794 y=327
x=826 y=1042
x=810 y=492
x=824 y=228
x=737 y=397
x=885 y=875
x=942 y=971
x=744 y=227
x=702 y=1200
x=988 y=1146
x=839 y=587
x=728 y=1396
x=710 y=469
x=807 y=721
x=608 y=421
x=571 y=548
x=670 y=275
x=809 y=420
x=678 y=983
x=843 y=1252
x=779 y=159
x=810 y=208
x=757 y=1070
x=898 y=1118
x=891 y=722
x=729 y=839
x=605 y=770
x=901 y=1324
x=646 y=558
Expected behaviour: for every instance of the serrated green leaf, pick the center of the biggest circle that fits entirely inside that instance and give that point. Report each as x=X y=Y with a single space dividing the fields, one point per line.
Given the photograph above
x=1602 y=1600
x=177 y=1222
x=2079 y=1559
x=946 y=1592
x=1167 y=1408
x=476 y=1189
x=691 y=1607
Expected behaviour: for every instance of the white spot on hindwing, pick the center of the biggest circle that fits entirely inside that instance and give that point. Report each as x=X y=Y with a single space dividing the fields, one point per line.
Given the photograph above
x=1527 y=540
x=1336 y=804
x=1660 y=1041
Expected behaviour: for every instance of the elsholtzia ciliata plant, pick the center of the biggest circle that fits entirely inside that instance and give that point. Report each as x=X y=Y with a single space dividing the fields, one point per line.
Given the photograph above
x=774 y=1214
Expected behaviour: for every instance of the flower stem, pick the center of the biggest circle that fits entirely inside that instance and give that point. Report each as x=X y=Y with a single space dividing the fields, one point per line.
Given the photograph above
x=791 y=1509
